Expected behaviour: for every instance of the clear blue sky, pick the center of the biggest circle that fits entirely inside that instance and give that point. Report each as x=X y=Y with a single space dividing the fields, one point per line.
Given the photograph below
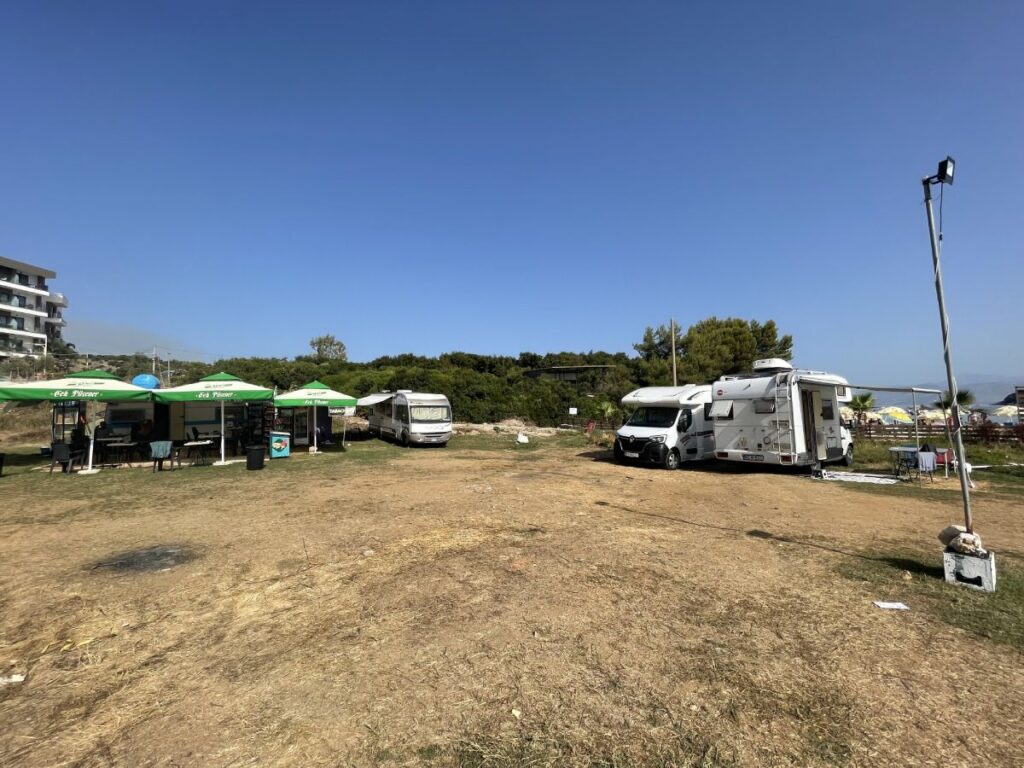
x=235 y=178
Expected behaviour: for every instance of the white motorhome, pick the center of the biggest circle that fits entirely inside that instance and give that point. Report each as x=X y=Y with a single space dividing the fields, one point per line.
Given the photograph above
x=410 y=417
x=781 y=415
x=669 y=425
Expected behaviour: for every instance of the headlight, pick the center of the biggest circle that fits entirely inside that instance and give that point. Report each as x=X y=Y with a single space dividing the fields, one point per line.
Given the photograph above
x=657 y=438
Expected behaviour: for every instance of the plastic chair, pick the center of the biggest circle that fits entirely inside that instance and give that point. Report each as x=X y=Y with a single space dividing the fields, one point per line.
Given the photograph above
x=162 y=450
x=926 y=462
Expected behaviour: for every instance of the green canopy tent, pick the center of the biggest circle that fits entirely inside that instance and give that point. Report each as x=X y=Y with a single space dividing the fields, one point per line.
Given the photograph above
x=313 y=395
x=90 y=386
x=220 y=388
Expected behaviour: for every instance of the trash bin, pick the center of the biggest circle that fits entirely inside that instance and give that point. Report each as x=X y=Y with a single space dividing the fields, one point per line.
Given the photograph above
x=254 y=457
x=280 y=445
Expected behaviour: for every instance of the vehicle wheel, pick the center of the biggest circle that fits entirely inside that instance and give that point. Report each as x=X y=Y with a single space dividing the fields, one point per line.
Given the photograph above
x=405 y=439
x=848 y=457
x=672 y=459
x=617 y=453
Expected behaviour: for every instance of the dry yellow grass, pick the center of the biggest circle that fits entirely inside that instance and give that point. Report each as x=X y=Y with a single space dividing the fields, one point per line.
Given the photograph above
x=491 y=607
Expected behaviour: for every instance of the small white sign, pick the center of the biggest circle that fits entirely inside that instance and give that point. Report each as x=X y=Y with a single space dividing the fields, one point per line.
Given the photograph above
x=573 y=411
x=885 y=606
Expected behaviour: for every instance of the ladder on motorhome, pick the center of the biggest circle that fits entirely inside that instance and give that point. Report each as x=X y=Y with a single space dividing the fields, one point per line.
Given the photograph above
x=782 y=398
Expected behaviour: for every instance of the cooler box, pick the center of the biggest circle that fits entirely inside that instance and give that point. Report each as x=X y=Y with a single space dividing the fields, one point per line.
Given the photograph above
x=280 y=445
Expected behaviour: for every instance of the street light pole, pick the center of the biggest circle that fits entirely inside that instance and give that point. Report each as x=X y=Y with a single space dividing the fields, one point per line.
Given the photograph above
x=672 y=333
x=958 y=443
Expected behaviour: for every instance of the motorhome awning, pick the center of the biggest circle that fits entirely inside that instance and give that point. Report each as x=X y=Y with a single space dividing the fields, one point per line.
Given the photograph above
x=374 y=399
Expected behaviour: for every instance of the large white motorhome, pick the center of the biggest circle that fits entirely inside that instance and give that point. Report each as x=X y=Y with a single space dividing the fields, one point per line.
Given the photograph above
x=410 y=417
x=669 y=425
x=781 y=415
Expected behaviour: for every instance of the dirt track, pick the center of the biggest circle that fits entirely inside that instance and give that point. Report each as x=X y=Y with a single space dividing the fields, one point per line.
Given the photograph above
x=493 y=608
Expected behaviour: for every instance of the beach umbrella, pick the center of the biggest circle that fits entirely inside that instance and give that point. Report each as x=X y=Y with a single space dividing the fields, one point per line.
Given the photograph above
x=218 y=388
x=879 y=416
x=847 y=413
x=897 y=414
x=313 y=395
x=931 y=414
x=1004 y=414
x=89 y=386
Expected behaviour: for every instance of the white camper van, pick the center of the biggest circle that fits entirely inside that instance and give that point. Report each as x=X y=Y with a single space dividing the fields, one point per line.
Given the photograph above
x=410 y=417
x=780 y=415
x=669 y=425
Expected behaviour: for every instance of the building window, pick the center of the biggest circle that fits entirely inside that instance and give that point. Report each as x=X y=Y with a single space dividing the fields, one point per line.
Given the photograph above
x=764 y=406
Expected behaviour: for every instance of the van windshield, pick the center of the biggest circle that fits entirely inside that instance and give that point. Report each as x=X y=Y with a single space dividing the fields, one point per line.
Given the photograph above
x=652 y=416
x=429 y=413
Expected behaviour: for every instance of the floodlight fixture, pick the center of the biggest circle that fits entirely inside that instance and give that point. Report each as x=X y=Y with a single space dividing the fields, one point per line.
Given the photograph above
x=944 y=174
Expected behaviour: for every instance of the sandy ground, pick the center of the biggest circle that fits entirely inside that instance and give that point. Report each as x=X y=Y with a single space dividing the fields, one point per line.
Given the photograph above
x=461 y=607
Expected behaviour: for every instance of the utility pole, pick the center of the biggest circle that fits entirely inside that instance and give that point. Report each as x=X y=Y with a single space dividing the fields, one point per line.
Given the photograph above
x=154 y=359
x=945 y=176
x=672 y=331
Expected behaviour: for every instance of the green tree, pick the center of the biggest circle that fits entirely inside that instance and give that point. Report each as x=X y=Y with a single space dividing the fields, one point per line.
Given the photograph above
x=657 y=343
x=861 y=404
x=709 y=349
x=717 y=347
x=964 y=398
x=327 y=347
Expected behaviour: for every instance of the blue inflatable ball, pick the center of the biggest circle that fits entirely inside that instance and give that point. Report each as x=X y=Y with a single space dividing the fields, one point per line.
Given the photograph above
x=146 y=381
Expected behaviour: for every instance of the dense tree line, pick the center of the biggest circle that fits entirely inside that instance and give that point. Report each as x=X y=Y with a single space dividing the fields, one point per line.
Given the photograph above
x=487 y=388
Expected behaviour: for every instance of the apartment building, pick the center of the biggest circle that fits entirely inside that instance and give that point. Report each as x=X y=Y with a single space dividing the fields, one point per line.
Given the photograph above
x=31 y=315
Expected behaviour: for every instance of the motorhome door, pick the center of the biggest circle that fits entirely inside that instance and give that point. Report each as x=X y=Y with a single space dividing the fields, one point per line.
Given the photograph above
x=814 y=425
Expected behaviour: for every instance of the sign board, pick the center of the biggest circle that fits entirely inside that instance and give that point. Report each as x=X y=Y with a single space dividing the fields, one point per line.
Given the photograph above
x=573 y=411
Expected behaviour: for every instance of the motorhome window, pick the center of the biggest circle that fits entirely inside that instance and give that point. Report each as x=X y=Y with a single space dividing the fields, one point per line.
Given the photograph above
x=764 y=406
x=685 y=419
x=429 y=413
x=707 y=411
x=721 y=410
x=827 y=413
x=653 y=416
x=402 y=413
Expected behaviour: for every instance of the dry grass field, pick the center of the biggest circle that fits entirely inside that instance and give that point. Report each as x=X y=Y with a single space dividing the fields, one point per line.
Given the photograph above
x=495 y=605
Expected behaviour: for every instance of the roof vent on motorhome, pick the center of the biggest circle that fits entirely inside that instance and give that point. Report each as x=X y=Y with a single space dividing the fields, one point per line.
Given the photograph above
x=772 y=365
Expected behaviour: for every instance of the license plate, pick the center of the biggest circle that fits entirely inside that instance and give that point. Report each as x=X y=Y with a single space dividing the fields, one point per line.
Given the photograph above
x=752 y=457
x=631 y=455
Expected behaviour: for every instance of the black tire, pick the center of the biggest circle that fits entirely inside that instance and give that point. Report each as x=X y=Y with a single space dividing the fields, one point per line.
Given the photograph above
x=405 y=439
x=672 y=459
x=617 y=454
x=848 y=456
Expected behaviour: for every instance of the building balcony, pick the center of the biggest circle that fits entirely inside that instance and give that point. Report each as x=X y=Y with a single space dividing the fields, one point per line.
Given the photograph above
x=14 y=284
x=10 y=331
x=55 y=320
x=59 y=299
x=21 y=309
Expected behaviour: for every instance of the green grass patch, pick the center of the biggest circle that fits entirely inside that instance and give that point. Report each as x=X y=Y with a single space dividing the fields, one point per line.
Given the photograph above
x=998 y=616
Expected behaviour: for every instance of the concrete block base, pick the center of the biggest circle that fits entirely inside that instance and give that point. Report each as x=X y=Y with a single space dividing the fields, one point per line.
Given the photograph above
x=970 y=570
